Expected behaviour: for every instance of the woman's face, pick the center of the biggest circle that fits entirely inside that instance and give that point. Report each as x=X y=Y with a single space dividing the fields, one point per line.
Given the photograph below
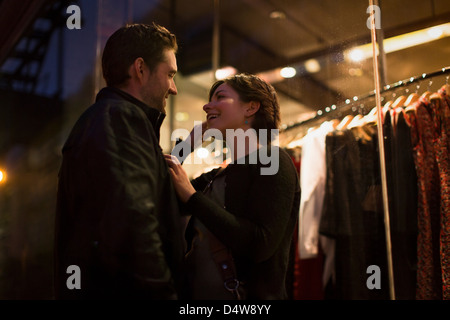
x=226 y=110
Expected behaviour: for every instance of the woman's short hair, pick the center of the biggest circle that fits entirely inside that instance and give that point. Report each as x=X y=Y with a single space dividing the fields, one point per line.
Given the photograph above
x=252 y=88
x=131 y=42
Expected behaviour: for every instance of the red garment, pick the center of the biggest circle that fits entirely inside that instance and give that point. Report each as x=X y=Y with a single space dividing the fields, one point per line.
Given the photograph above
x=442 y=148
x=429 y=284
x=430 y=125
x=307 y=277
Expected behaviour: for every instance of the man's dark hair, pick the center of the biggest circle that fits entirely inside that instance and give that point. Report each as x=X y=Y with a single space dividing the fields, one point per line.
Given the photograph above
x=131 y=42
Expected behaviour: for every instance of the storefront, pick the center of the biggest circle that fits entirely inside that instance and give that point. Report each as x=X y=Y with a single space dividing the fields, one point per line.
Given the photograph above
x=370 y=226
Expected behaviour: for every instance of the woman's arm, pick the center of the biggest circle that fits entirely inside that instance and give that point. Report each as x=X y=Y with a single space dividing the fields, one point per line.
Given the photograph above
x=256 y=233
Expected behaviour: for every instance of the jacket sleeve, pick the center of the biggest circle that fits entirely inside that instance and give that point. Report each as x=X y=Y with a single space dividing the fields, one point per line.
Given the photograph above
x=256 y=234
x=130 y=245
x=202 y=181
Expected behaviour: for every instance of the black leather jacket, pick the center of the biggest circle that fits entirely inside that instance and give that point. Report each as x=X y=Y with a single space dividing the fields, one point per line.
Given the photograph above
x=117 y=213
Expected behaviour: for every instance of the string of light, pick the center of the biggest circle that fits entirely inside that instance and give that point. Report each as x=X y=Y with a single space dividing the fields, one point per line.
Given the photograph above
x=348 y=102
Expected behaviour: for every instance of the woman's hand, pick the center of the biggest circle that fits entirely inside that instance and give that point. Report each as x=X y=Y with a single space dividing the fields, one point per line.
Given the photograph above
x=183 y=186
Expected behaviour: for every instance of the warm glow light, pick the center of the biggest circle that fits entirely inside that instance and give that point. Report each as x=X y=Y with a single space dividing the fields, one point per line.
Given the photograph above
x=225 y=72
x=277 y=15
x=401 y=42
x=355 y=72
x=356 y=55
x=435 y=32
x=271 y=76
x=182 y=116
x=312 y=65
x=364 y=52
x=202 y=153
x=288 y=72
x=2 y=176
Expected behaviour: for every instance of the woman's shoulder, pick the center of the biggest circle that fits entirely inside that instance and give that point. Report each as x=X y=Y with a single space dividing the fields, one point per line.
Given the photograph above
x=267 y=161
x=284 y=155
x=275 y=159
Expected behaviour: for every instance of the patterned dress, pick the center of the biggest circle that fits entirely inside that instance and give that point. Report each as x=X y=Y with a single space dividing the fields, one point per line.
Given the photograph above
x=442 y=149
x=429 y=283
x=430 y=126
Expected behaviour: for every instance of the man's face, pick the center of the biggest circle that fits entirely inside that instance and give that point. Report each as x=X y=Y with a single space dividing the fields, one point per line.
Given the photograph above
x=159 y=83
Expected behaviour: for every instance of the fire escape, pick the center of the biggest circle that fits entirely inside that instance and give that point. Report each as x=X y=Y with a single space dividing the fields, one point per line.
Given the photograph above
x=21 y=70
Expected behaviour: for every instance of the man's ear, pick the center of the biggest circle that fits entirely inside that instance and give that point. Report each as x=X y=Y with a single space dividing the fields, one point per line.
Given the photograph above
x=138 y=68
x=252 y=108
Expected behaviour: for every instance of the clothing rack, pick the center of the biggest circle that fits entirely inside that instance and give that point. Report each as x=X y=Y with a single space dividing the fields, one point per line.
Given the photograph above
x=323 y=113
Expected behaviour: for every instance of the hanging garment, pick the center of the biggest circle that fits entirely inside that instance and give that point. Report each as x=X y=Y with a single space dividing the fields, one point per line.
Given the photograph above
x=442 y=149
x=307 y=276
x=402 y=195
x=304 y=281
x=352 y=213
x=429 y=283
x=312 y=184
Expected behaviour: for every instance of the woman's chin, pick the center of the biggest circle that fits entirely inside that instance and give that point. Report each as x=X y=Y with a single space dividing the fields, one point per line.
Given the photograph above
x=211 y=125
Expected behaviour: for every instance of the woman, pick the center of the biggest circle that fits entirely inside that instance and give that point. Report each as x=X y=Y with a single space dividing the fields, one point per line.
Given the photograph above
x=253 y=215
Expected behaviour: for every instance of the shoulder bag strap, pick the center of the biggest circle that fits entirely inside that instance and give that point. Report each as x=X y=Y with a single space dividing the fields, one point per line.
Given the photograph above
x=222 y=256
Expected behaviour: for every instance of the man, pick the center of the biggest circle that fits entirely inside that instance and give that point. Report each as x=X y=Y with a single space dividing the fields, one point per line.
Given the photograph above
x=117 y=221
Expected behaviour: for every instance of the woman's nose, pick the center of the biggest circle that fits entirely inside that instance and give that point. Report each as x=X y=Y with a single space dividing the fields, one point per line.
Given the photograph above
x=207 y=106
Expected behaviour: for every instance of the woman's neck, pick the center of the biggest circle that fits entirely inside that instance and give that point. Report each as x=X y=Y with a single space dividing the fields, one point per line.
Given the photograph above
x=244 y=147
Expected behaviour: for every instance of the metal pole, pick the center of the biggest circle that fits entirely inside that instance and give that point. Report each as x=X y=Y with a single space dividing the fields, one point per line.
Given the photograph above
x=216 y=39
x=172 y=99
x=382 y=157
x=381 y=52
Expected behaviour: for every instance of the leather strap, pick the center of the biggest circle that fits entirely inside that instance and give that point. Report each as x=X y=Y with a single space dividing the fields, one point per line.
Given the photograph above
x=222 y=255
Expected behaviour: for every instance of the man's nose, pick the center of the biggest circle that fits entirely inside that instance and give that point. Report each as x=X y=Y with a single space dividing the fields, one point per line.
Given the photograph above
x=173 y=89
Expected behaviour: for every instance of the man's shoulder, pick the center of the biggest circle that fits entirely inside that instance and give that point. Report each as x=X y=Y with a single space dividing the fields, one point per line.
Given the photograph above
x=113 y=105
x=106 y=112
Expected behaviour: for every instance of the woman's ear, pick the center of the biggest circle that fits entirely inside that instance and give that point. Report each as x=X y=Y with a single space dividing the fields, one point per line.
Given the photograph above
x=252 y=108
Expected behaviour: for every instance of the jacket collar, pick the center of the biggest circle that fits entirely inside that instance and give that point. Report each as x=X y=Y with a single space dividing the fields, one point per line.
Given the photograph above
x=154 y=116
